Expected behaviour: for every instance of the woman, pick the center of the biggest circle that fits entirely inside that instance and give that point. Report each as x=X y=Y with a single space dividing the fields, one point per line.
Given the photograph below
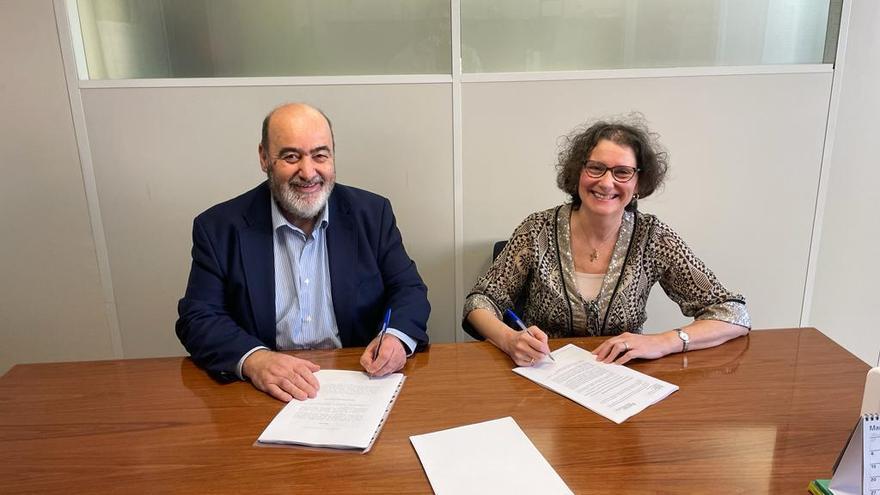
x=586 y=267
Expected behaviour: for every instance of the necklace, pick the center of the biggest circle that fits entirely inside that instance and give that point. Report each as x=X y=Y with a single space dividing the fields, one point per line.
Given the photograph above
x=594 y=255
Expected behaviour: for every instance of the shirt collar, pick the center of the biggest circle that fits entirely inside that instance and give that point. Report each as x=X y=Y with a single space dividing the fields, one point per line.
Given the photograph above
x=278 y=219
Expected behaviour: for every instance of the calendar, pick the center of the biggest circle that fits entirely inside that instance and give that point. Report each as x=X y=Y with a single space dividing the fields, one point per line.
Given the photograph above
x=857 y=471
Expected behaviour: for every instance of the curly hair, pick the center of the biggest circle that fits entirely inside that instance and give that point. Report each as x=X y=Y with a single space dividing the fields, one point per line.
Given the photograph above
x=630 y=131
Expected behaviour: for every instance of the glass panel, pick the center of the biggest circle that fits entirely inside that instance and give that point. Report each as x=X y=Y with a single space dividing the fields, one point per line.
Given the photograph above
x=548 y=35
x=230 y=38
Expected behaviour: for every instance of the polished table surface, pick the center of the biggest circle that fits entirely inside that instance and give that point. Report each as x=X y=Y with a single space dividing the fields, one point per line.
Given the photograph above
x=761 y=414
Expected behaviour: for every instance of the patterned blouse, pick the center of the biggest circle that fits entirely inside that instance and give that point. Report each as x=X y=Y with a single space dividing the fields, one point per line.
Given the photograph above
x=535 y=273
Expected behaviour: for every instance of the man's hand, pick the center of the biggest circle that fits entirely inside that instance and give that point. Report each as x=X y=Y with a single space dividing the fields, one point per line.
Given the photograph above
x=391 y=358
x=281 y=376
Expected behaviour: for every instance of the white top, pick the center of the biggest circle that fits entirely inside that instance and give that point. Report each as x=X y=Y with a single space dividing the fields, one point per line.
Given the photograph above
x=589 y=284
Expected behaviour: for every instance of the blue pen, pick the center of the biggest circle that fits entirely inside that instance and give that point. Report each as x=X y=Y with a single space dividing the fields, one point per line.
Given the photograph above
x=522 y=326
x=382 y=333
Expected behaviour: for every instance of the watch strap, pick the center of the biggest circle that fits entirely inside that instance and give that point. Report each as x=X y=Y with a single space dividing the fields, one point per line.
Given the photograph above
x=685 y=339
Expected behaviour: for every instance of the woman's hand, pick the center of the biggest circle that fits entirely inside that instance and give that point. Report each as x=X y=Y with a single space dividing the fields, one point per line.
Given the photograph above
x=703 y=334
x=626 y=346
x=526 y=347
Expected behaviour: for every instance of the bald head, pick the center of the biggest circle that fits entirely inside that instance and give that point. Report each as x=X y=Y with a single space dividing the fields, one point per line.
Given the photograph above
x=296 y=153
x=292 y=113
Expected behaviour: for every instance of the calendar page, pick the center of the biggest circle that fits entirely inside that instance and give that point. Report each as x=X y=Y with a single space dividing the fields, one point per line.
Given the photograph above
x=871 y=469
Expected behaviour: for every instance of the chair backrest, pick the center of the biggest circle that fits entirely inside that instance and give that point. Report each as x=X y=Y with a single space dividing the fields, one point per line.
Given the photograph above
x=518 y=304
x=496 y=249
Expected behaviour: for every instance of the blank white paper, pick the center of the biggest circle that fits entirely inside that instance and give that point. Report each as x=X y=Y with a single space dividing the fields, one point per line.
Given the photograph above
x=490 y=457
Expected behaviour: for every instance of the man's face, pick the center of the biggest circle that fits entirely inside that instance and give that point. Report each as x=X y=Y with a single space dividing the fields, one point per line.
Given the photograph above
x=299 y=160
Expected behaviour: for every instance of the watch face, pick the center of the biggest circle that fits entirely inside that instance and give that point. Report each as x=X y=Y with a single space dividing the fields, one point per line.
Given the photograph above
x=684 y=336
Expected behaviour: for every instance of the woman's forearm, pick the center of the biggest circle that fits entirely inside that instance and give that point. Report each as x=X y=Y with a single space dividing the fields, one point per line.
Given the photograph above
x=490 y=327
x=707 y=333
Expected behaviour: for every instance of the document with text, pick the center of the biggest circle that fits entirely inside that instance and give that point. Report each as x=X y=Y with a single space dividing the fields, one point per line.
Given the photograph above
x=612 y=390
x=490 y=457
x=348 y=412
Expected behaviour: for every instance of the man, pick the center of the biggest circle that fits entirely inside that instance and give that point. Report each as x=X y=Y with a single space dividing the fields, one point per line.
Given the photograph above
x=299 y=262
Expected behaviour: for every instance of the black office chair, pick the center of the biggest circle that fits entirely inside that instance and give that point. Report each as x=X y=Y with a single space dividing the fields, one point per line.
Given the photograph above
x=518 y=305
x=496 y=249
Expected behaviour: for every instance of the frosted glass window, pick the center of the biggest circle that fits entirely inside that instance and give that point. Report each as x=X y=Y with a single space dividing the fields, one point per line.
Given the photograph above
x=549 y=35
x=228 y=38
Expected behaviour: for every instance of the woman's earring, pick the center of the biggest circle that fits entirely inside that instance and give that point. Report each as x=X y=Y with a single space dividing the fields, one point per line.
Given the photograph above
x=633 y=203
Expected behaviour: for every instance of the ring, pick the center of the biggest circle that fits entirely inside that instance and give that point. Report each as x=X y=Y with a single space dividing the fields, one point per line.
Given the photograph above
x=532 y=361
x=625 y=346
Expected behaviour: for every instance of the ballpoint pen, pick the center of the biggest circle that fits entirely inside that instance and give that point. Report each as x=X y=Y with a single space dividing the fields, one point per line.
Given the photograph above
x=382 y=333
x=522 y=326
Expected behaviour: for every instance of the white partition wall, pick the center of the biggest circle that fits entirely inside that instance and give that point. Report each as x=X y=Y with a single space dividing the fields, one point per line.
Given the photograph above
x=844 y=298
x=745 y=156
x=163 y=155
x=154 y=177
x=51 y=300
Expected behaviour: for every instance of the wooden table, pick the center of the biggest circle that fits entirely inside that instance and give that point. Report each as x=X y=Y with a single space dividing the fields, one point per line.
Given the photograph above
x=761 y=414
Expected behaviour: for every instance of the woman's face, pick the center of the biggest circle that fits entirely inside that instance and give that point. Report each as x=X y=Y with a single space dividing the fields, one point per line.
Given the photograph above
x=604 y=196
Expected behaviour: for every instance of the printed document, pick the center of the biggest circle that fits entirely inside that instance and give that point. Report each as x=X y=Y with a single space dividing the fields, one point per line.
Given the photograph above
x=348 y=412
x=490 y=457
x=612 y=390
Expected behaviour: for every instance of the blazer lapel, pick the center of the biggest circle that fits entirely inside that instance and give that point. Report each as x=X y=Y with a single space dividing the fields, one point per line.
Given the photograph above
x=258 y=259
x=342 y=255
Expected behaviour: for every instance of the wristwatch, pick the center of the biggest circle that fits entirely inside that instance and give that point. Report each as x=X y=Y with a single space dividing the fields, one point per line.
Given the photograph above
x=685 y=339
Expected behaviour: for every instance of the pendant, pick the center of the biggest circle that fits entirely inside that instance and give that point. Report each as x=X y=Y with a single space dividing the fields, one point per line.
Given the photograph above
x=594 y=256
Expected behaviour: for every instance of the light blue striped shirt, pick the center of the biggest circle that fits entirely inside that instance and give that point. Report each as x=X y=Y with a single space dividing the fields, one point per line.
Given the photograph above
x=304 y=317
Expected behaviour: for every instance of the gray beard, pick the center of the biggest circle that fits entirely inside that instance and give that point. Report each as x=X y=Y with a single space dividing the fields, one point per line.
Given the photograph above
x=295 y=204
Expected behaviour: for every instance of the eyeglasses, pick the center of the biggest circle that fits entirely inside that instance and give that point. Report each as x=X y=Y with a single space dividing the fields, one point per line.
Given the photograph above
x=597 y=170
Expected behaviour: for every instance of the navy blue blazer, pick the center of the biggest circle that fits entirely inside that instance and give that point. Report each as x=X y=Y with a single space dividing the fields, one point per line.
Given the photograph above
x=229 y=305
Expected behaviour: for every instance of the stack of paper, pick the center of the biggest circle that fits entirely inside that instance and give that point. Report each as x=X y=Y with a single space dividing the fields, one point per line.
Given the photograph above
x=348 y=412
x=612 y=390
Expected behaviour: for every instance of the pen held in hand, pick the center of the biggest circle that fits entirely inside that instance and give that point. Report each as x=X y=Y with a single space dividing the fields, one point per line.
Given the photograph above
x=522 y=326
x=382 y=333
